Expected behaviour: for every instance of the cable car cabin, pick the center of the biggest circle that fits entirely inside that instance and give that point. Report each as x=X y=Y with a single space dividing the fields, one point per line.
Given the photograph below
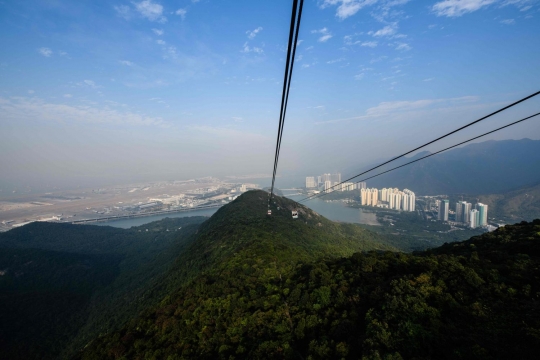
x=269 y=212
x=295 y=214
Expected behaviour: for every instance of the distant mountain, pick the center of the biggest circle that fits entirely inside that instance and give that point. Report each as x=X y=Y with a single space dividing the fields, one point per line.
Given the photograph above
x=508 y=207
x=483 y=168
x=274 y=287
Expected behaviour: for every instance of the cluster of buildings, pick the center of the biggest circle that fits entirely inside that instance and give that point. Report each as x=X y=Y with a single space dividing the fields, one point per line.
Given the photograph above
x=465 y=213
x=389 y=198
x=328 y=182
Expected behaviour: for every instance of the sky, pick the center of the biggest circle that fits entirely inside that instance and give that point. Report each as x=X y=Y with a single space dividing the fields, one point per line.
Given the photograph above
x=101 y=92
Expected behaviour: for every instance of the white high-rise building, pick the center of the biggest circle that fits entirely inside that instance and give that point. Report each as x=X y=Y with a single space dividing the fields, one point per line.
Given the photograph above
x=411 y=199
x=328 y=186
x=384 y=194
x=474 y=218
x=362 y=185
x=363 y=197
x=443 y=210
x=482 y=210
x=374 y=197
x=310 y=182
x=463 y=210
x=459 y=211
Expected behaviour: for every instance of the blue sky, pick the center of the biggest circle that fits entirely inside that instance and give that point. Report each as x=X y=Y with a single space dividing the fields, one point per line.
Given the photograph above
x=131 y=90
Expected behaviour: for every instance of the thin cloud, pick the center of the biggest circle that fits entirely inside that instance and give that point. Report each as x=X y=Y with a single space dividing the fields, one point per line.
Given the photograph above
x=89 y=83
x=393 y=108
x=247 y=49
x=253 y=33
x=126 y=62
x=335 y=61
x=158 y=32
x=29 y=109
x=403 y=47
x=181 y=12
x=370 y=44
x=508 y=21
x=325 y=34
x=386 y=31
x=45 y=51
x=456 y=8
x=347 y=8
x=150 y=10
x=123 y=11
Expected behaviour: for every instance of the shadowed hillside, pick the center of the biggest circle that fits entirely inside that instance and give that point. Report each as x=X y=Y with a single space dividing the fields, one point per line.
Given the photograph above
x=62 y=285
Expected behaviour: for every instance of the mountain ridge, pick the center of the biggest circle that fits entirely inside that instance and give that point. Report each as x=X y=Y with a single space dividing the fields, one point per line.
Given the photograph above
x=479 y=168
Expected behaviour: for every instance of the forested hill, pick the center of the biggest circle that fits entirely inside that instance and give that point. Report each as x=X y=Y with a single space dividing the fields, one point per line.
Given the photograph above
x=263 y=291
x=62 y=285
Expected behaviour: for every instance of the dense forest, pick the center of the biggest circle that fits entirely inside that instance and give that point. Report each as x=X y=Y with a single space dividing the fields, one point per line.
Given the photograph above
x=246 y=285
x=62 y=285
x=68 y=284
x=262 y=292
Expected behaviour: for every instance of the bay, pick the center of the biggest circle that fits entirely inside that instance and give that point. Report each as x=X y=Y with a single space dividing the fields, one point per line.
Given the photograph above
x=338 y=211
x=127 y=223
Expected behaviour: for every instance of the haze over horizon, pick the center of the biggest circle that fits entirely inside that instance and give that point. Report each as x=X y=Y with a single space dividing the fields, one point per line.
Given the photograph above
x=98 y=92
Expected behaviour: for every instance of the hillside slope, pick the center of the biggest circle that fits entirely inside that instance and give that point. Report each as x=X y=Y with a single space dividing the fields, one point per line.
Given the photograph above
x=262 y=294
x=62 y=285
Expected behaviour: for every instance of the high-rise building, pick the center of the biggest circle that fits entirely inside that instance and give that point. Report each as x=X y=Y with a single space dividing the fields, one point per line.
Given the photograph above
x=326 y=177
x=328 y=186
x=363 y=197
x=467 y=207
x=319 y=180
x=474 y=218
x=444 y=206
x=411 y=206
x=459 y=211
x=362 y=185
x=482 y=213
x=335 y=178
x=374 y=197
x=405 y=202
x=310 y=182
x=463 y=210
x=384 y=193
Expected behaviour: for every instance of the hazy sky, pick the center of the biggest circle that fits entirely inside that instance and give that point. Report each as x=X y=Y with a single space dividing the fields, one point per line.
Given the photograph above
x=114 y=91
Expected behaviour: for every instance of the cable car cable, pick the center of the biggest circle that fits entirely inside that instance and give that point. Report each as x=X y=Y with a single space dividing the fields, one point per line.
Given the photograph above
x=294 y=30
x=435 y=153
x=284 y=110
x=437 y=139
x=285 y=77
